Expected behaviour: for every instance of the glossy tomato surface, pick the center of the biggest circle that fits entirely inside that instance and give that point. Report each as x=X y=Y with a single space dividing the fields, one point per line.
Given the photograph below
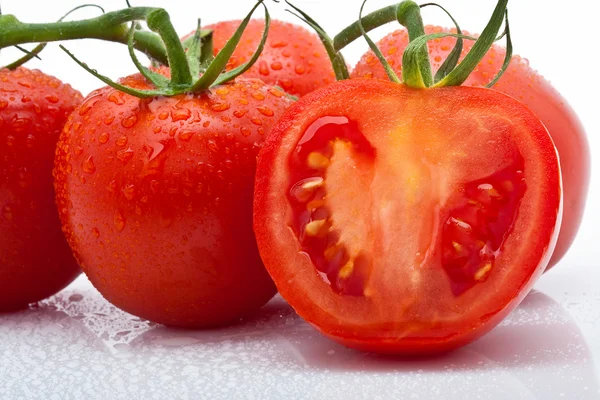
x=35 y=259
x=526 y=85
x=155 y=197
x=293 y=58
x=406 y=221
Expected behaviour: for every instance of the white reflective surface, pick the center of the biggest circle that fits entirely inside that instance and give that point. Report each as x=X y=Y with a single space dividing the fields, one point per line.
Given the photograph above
x=76 y=345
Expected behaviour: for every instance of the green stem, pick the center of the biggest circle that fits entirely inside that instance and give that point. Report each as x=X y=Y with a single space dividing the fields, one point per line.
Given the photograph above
x=408 y=13
x=160 y=22
x=369 y=22
x=110 y=26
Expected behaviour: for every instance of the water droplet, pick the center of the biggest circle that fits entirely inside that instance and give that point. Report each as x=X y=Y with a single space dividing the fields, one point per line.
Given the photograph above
x=276 y=66
x=163 y=115
x=24 y=178
x=119 y=221
x=222 y=91
x=125 y=155
x=7 y=213
x=10 y=140
x=78 y=150
x=166 y=219
x=299 y=69
x=186 y=135
x=88 y=165
x=129 y=191
x=4 y=104
x=206 y=124
x=76 y=126
x=220 y=106
x=182 y=114
x=30 y=141
x=109 y=120
x=88 y=104
x=258 y=95
x=239 y=113
x=116 y=97
x=122 y=141
x=112 y=186
x=279 y=44
x=266 y=111
x=51 y=98
x=263 y=68
x=96 y=232
x=286 y=83
x=275 y=92
x=256 y=121
x=245 y=131
x=103 y=137
x=212 y=146
x=129 y=121
x=75 y=298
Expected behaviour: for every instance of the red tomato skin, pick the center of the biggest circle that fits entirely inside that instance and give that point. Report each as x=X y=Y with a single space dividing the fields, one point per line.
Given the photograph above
x=290 y=278
x=155 y=197
x=526 y=85
x=293 y=58
x=35 y=259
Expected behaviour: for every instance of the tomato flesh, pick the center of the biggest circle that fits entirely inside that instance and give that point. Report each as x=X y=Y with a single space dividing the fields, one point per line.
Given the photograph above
x=528 y=86
x=345 y=269
x=474 y=232
x=407 y=231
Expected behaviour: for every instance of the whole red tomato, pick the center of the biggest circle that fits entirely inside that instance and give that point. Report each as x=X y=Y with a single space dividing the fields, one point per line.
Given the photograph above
x=155 y=197
x=293 y=57
x=35 y=259
x=526 y=85
x=411 y=231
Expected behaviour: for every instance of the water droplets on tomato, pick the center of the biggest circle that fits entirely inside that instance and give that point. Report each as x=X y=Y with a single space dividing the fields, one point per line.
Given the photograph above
x=116 y=97
x=129 y=191
x=129 y=121
x=7 y=212
x=121 y=141
x=266 y=111
x=182 y=114
x=103 y=137
x=88 y=165
x=220 y=106
x=51 y=99
x=263 y=68
x=186 y=135
x=212 y=146
x=125 y=155
x=96 y=232
x=10 y=140
x=245 y=131
x=119 y=221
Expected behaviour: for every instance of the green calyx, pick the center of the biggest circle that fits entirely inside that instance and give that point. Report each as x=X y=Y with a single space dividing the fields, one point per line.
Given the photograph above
x=416 y=66
x=192 y=71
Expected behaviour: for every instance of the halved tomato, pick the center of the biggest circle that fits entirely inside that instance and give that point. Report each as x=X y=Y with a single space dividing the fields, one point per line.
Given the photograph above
x=406 y=221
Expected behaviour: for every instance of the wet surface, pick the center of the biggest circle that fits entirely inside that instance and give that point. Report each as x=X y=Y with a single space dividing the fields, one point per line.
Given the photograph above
x=77 y=345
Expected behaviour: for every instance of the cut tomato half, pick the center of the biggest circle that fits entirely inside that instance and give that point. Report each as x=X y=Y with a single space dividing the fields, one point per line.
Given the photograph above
x=406 y=221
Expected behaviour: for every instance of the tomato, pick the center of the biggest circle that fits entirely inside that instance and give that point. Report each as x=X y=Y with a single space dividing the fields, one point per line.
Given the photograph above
x=407 y=231
x=35 y=259
x=293 y=57
x=529 y=87
x=155 y=197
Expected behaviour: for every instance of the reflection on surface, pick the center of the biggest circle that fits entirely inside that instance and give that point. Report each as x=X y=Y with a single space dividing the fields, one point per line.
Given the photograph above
x=536 y=353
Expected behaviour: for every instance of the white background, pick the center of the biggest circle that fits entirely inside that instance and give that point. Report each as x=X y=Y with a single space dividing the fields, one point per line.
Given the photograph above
x=559 y=39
